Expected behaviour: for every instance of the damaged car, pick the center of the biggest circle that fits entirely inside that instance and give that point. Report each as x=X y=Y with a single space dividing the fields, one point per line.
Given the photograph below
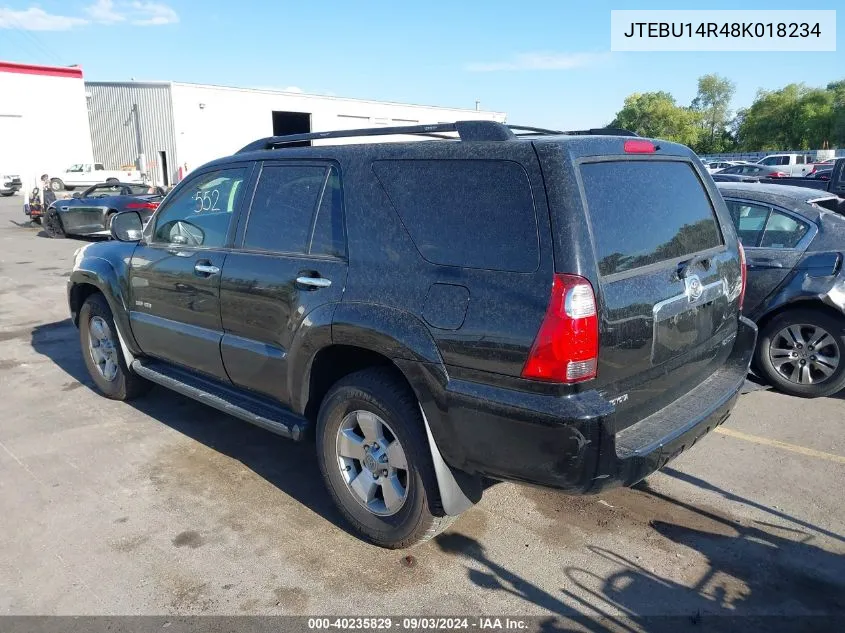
x=794 y=247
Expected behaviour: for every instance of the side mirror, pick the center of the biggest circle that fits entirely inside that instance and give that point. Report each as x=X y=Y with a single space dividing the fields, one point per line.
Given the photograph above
x=76 y=194
x=127 y=226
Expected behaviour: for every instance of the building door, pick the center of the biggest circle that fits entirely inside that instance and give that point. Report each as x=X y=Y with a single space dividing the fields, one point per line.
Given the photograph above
x=285 y=123
x=165 y=168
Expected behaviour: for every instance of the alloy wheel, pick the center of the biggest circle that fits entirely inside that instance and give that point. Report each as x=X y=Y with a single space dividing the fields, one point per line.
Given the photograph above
x=372 y=462
x=102 y=348
x=804 y=354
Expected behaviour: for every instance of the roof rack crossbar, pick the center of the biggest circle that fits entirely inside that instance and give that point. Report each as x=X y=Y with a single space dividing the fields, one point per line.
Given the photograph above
x=466 y=130
x=601 y=131
x=534 y=130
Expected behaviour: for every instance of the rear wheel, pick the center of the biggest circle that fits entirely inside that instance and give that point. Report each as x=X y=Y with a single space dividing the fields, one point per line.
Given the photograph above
x=802 y=353
x=56 y=184
x=102 y=353
x=6 y=194
x=376 y=462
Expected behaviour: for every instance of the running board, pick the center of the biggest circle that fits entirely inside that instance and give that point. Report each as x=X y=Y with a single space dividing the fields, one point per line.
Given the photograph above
x=253 y=409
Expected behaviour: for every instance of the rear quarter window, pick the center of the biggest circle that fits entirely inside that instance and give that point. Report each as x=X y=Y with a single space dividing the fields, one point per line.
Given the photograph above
x=467 y=213
x=645 y=212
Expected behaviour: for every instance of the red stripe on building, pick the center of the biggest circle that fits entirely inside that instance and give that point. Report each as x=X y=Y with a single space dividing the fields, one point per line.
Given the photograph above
x=32 y=69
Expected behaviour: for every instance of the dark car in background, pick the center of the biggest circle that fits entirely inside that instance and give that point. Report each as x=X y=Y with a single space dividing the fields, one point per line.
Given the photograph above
x=90 y=212
x=796 y=286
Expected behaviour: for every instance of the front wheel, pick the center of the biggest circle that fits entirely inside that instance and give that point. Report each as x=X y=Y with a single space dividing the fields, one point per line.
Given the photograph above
x=52 y=224
x=375 y=460
x=6 y=194
x=802 y=353
x=101 y=351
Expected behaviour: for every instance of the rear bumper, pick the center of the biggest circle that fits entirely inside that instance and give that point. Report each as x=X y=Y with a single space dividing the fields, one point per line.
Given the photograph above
x=564 y=442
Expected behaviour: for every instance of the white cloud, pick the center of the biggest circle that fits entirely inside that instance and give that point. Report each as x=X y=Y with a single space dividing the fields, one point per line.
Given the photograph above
x=103 y=11
x=35 y=19
x=541 y=61
x=153 y=14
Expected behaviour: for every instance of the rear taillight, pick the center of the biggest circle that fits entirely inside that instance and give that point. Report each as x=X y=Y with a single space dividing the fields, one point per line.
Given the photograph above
x=638 y=146
x=778 y=174
x=743 y=275
x=142 y=205
x=567 y=346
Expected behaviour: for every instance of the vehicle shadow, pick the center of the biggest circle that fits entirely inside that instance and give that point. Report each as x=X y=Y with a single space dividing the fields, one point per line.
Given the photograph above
x=742 y=577
x=289 y=466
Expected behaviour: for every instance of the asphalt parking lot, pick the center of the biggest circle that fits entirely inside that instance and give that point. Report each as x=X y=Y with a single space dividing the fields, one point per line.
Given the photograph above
x=164 y=506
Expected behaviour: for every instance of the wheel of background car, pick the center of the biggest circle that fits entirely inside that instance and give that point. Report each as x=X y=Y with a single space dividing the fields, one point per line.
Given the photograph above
x=375 y=460
x=112 y=181
x=102 y=354
x=56 y=184
x=802 y=352
x=6 y=194
x=52 y=224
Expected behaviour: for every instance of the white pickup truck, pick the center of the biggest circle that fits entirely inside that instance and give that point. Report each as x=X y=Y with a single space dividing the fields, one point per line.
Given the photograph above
x=789 y=164
x=86 y=174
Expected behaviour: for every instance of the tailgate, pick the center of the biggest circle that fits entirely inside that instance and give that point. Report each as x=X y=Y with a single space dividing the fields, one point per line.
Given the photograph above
x=668 y=284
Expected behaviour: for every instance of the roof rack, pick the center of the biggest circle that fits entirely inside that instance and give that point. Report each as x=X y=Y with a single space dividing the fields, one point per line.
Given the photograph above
x=466 y=131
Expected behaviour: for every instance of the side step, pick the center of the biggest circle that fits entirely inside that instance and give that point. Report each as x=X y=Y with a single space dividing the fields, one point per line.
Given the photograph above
x=253 y=409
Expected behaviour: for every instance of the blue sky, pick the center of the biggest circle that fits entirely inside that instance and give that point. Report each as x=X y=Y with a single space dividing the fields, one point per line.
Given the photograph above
x=544 y=63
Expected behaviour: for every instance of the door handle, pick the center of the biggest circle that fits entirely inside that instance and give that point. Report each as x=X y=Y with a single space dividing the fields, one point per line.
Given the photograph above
x=206 y=269
x=765 y=263
x=314 y=282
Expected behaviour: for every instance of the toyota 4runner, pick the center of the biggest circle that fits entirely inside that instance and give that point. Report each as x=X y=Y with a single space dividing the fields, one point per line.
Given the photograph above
x=559 y=308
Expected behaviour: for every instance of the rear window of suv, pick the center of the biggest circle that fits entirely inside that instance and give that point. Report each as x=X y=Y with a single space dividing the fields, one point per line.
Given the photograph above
x=468 y=213
x=645 y=212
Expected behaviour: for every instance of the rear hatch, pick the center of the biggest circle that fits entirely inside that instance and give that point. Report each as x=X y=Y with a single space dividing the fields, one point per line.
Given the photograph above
x=668 y=276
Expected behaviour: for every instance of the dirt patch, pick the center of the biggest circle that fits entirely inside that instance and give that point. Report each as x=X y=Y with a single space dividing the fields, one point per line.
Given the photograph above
x=190 y=596
x=291 y=599
x=6 y=364
x=189 y=538
x=574 y=518
x=70 y=386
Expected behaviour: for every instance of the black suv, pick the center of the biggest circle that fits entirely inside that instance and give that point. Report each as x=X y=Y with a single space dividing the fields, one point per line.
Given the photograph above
x=502 y=303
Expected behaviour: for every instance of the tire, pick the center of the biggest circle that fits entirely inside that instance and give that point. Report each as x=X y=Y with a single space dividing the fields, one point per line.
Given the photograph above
x=785 y=342
x=365 y=397
x=36 y=220
x=69 y=188
x=96 y=332
x=56 y=184
x=112 y=181
x=6 y=194
x=52 y=224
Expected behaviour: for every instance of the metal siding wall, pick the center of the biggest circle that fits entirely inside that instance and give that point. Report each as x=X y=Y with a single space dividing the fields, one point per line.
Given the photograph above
x=113 y=132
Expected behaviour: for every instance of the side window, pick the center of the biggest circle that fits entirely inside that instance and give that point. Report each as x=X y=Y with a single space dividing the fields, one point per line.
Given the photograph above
x=469 y=213
x=783 y=231
x=201 y=212
x=328 y=237
x=749 y=219
x=99 y=167
x=771 y=160
x=784 y=160
x=799 y=160
x=282 y=213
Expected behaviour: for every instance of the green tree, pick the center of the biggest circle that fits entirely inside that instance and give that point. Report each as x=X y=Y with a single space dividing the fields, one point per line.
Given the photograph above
x=713 y=103
x=655 y=114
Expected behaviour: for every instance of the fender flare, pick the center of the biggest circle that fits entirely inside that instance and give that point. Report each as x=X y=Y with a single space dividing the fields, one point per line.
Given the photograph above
x=406 y=341
x=100 y=273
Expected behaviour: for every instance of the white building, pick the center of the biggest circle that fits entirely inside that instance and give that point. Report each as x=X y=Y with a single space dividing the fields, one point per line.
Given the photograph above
x=175 y=127
x=43 y=120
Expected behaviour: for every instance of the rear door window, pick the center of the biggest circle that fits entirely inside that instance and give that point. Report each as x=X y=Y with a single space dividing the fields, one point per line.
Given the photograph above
x=783 y=231
x=645 y=212
x=468 y=213
x=749 y=220
x=296 y=209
